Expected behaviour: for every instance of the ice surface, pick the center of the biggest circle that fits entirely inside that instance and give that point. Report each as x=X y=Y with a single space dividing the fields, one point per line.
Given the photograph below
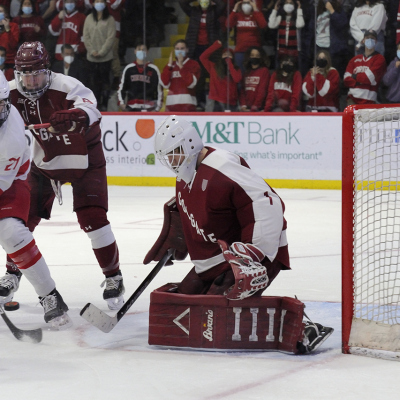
x=85 y=363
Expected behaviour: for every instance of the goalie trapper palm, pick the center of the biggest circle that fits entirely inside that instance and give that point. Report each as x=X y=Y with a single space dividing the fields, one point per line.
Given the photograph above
x=250 y=276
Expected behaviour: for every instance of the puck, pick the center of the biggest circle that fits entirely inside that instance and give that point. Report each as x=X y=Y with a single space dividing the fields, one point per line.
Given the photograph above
x=11 y=306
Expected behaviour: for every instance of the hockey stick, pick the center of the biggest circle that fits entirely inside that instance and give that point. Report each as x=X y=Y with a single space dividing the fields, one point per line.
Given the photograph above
x=32 y=336
x=38 y=126
x=104 y=322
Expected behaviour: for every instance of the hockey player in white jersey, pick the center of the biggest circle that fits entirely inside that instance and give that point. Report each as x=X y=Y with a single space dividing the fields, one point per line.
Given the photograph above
x=15 y=237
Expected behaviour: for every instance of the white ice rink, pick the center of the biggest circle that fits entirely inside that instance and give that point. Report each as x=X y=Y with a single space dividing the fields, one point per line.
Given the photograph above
x=84 y=363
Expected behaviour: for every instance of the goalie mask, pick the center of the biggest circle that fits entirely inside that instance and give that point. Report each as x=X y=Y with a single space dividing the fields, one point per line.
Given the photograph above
x=32 y=74
x=177 y=146
x=5 y=104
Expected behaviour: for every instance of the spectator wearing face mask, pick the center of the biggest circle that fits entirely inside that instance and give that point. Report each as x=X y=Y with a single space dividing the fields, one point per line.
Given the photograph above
x=284 y=90
x=68 y=27
x=180 y=77
x=364 y=72
x=140 y=88
x=392 y=79
x=255 y=81
x=288 y=21
x=71 y=65
x=99 y=35
x=368 y=15
x=249 y=22
x=331 y=33
x=202 y=31
x=31 y=25
x=321 y=85
x=223 y=86
x=7 y=71
x=9 y=35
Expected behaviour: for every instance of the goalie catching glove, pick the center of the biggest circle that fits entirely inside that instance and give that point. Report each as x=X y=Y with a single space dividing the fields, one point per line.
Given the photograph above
x=74 y=120
x=250 y=275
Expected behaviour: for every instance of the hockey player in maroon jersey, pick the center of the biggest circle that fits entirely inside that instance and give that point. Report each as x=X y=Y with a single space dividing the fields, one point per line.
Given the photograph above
x=232 y=223
x=180 y=76
x=364 y=72
x=15 y=237
x=69 y=151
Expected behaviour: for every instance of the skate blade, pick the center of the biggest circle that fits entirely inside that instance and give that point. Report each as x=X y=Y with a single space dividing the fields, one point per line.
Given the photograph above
x=115 y=303
x=60 y=323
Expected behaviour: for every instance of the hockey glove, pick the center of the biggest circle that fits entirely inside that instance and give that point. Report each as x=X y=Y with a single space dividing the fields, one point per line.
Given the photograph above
x=74 y=120
x=250 y=275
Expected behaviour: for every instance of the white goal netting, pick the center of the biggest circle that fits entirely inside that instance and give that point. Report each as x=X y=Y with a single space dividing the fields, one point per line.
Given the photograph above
x=376 y=322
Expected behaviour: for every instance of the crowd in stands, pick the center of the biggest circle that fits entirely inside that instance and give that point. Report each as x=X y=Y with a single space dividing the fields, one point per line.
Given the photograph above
x=248 y=55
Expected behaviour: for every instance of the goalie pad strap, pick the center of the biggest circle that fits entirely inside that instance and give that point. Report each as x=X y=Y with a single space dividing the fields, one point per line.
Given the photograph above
x=171 y=236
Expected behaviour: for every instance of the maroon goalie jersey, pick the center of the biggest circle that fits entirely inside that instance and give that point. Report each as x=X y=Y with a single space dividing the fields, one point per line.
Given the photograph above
x=227 y=200
x=63 y=156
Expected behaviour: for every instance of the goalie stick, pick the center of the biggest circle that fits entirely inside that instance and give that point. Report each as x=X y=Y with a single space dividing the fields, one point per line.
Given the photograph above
x=31 y=335
x=103 y=321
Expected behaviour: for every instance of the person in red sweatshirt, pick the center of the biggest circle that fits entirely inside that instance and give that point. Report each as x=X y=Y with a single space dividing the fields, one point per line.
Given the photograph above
x=224 y=77
x=180 y=77
x=364 y=72
x=321 y=85
x=68 y=27
x=248 y=22
x=284 y=89
x=255 y=81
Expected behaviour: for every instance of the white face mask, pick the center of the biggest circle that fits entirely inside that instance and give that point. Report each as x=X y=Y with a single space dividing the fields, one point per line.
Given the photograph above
x=140 y=54
x=69 y=59
x=289 y=8
x=247 y=8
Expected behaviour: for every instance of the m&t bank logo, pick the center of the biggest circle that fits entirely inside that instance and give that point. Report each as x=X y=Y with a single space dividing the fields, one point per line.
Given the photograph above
x=220 y=133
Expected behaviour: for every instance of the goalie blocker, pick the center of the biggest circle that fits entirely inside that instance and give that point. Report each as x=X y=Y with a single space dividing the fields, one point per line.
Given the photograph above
x=214 y=322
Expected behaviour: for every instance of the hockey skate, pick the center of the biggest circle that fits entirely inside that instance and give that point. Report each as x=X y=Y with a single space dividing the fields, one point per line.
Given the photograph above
x=114 y=290
x=314 y=335
x=55 y=311
x=9 y=284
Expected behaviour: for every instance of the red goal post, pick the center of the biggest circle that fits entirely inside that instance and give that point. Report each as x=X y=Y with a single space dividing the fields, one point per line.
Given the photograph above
x=371 y=231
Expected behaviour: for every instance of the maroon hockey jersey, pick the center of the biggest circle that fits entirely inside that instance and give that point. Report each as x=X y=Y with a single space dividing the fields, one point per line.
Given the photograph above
x=62 y=156
x=227 y=200
x=181 y=83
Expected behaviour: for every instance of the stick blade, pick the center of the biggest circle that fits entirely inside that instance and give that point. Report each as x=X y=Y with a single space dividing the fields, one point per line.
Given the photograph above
x=29 y=336
x=98 y=318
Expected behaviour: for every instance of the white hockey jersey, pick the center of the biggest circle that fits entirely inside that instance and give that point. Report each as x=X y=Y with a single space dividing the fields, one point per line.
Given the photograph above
x=14 y=151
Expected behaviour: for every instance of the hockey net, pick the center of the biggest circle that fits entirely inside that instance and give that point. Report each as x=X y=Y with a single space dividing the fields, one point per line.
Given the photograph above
x=371 y=231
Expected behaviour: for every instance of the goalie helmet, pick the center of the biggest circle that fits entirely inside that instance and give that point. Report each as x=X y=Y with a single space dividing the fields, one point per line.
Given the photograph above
x=32 y=74
x=177 y=146
x=5 y=105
